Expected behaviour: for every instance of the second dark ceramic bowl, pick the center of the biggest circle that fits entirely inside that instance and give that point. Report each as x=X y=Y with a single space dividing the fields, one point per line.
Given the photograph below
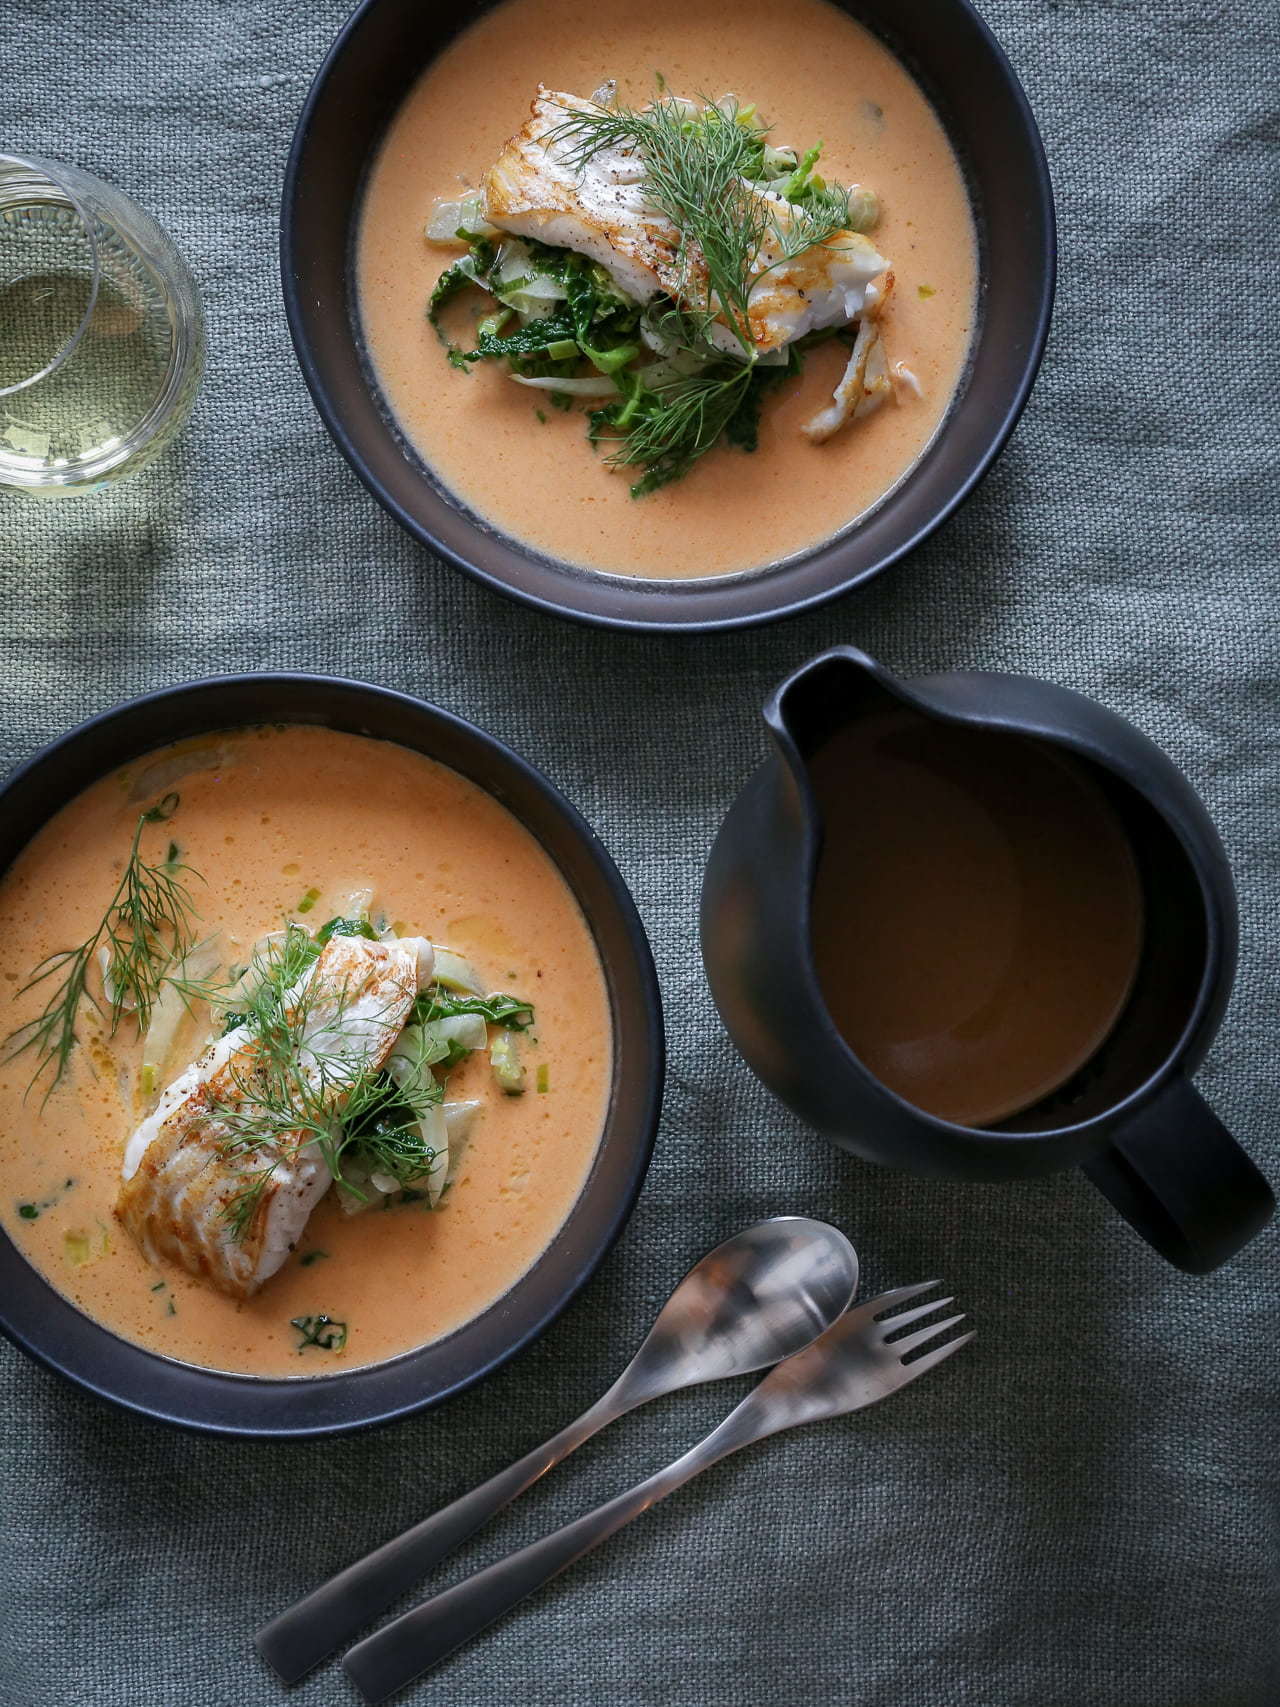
x=944 y=43
x=45 y=1324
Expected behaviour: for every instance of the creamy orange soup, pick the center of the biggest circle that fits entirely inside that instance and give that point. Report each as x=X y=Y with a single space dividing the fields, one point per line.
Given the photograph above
x=267 y=817
x=814 y=73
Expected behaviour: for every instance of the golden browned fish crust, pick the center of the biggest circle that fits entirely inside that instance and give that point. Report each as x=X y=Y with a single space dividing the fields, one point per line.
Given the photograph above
x=176 y=1197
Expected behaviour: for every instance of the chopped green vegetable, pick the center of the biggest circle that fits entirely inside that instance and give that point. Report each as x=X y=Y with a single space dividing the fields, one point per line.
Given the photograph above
x=609 y=361
x=924 y=292
x=309 y=1257
x=308 y=901
x=76 y=1247
x=322 y=1332
x=535 y=338
x=544 y=1078
x=28 y=1211
x=798 y=183
x=159 y=1286
x=509 y=1011
x=345 y=927
x=504 y=1058
x=473 y=269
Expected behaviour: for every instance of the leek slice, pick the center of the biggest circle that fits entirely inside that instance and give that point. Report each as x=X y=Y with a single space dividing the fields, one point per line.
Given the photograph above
x=508 y=1069
x=409 y=1065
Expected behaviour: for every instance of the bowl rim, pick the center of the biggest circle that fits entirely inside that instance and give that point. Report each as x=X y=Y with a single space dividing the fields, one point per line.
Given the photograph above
x=635 y=590
x=150 y=1384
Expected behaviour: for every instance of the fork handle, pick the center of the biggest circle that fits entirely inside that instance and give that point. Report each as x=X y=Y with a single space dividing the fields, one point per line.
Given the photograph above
x=306 y=1632
x=411 y=1644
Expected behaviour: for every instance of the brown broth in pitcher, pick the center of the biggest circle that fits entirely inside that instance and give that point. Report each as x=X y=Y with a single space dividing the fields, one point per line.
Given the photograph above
x=977 y=917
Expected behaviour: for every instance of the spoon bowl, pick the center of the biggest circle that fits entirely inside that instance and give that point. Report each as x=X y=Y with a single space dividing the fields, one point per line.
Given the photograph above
x=765 y=1293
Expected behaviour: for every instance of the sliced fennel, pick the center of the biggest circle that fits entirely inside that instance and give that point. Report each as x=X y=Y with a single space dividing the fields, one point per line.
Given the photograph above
x=601 y=386
x=458 y=220
x=176 y=999
x=455 y=973
x=460 y=1120
x=408 y=1066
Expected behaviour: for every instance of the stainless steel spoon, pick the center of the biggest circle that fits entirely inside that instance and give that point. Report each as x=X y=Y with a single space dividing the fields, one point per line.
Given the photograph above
x=852 y=1365
x=752 y=1301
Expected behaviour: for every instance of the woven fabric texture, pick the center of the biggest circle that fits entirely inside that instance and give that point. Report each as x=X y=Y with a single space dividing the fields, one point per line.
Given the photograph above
x=1082 y=1511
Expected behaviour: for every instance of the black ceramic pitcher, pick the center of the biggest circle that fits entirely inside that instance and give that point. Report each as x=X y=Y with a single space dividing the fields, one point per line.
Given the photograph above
x=1130 y=1117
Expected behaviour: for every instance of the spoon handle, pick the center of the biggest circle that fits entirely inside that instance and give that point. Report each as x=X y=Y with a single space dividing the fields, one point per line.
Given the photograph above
x=301 y=1636
x=411 y=1644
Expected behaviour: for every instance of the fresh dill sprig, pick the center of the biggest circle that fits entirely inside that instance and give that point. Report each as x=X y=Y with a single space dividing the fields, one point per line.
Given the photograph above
x=700 y=162
x=694 y=165
x=701 y=165
x=305 y=1083
x=146 y=932
x=665 y=429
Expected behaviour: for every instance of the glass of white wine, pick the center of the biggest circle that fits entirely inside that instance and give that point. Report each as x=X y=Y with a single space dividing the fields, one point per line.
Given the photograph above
x=101 y=334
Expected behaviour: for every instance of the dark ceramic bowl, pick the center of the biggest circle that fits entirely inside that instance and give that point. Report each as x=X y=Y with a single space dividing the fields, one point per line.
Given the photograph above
x=944 y=43
x=43 y=1323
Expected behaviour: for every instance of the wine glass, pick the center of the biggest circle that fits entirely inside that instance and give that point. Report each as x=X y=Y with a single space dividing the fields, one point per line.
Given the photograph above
x=101 y=333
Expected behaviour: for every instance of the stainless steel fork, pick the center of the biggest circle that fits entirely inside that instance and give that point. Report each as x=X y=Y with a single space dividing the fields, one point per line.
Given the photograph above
x=851 y=1366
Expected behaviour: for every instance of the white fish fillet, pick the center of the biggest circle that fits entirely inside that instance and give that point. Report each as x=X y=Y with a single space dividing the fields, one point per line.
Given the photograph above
x=862 y=387
x=179 y=1179
x=532 y=190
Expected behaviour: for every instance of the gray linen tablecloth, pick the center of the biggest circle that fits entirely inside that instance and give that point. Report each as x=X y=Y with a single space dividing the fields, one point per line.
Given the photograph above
x=1082 y=1511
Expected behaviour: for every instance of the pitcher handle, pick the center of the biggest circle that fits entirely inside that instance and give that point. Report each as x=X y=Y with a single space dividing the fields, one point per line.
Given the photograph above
x=1180 y=1180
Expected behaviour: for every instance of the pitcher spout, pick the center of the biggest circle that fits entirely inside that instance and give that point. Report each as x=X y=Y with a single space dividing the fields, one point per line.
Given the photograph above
x=824 y=695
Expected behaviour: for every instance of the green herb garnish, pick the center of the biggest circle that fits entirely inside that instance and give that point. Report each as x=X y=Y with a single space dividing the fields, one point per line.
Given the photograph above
x=303 y=1088
x=309 y=1257
x=345 y=927
x=703 y=169
x=146 y=932
x=508 y=1011
x=322 y=1332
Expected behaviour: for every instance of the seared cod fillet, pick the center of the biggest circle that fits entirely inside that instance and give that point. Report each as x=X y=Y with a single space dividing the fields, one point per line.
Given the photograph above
x=178 y=1180
x=532 y=190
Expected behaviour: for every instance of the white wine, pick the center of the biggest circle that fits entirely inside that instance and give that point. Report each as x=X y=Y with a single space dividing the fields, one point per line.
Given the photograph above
x=100 y=338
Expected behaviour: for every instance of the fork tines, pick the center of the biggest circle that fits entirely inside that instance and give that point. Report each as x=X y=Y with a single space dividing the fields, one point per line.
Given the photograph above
x=891 y=1325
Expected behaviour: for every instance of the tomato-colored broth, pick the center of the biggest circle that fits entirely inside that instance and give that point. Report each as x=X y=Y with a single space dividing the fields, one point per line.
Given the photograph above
x=814 y=73
x=265 y=816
